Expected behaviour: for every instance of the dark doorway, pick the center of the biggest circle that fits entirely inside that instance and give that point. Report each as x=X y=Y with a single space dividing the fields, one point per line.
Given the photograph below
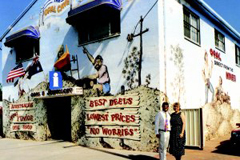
x=59 y=118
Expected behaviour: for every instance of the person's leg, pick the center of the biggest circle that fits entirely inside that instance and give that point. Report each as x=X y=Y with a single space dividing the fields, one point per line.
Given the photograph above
x=162 y=146
x=178 y=157
x=206 y=93
x=167 y=138
x=211 y=89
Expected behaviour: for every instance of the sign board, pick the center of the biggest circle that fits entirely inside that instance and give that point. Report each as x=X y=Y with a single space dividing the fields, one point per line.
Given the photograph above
x=23 y=127
x=54 y=8
x=113 y=117
x=21 y=106
x=55 y=80
x=22 y=116
x=70 y=91
x=112 y=102
x=126 y=132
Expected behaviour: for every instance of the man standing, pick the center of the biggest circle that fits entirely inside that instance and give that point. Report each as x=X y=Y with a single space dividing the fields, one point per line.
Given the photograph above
x=102 y=74
x=162 y=129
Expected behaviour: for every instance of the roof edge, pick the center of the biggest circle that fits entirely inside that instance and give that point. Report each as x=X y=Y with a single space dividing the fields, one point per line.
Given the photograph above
x=219 y=18
x=18 y=19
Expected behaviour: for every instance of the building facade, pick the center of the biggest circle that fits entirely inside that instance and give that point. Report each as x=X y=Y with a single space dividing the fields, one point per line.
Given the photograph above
x=151 y=51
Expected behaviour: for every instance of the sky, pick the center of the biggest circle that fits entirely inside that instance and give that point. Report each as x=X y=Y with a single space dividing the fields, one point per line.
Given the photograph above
x=228 y=9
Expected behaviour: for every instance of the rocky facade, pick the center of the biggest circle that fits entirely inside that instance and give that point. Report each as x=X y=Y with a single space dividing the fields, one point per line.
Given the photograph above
x=219 y=119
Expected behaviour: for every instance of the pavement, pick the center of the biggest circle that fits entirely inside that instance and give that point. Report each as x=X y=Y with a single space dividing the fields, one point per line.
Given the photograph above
x=13 y=149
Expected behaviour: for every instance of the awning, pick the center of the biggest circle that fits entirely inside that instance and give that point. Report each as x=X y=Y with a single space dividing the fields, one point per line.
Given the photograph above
x=115 y=4
x=26 y=33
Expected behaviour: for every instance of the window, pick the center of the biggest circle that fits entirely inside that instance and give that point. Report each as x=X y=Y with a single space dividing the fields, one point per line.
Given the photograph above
x=219 y=41
x=25 y=43
x=237 y=50
x=191 y=26
x=98 y=24
x=26 y=49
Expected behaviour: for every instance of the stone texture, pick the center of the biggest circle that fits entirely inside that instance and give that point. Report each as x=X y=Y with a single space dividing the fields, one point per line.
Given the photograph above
x=219 y=119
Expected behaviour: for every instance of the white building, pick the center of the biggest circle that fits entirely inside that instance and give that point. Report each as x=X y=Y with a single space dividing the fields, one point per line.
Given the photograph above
x=175 y=35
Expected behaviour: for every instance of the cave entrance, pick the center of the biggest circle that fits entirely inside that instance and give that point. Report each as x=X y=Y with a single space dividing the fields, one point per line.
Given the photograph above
x=59 y=118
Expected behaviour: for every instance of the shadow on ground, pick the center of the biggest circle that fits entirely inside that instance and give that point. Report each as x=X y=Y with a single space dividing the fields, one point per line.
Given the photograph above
x=130 y=157
x=228 y=148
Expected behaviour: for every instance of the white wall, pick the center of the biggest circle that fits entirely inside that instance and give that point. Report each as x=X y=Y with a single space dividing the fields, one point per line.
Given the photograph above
x=193 y=59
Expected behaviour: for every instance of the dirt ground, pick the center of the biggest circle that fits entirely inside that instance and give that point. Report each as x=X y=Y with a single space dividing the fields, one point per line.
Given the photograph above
x=216 y=149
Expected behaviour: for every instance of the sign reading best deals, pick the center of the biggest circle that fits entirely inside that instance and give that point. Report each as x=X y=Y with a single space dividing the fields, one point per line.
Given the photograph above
x=113 y=117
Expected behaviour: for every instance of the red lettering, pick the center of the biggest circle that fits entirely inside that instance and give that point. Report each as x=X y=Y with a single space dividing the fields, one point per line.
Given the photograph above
x=215 y=54
x=231 y=77
x=130 y=100
x=133 y=118
x=94 y=131
x=91 y=104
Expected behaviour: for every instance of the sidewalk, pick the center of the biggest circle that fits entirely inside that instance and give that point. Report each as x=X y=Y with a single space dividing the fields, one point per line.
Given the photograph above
x=12 y=149
x=217 y=149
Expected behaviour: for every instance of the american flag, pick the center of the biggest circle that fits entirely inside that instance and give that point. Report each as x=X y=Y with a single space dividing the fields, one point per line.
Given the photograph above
x=17 y=71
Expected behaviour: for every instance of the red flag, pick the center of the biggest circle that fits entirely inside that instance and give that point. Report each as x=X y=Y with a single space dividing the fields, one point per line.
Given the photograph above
x=17 y=71
x=63 y=61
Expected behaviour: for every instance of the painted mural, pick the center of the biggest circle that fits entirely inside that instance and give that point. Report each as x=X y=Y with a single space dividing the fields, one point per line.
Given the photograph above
x=106 y=81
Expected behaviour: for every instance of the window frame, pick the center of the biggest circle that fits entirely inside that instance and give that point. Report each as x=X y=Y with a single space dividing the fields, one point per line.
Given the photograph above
x=35 y=46
x=237 y=55
x=112 y=24
x=216 y=35
x=191 y=15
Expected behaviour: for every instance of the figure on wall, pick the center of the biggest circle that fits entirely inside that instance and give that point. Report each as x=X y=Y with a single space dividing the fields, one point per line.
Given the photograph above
x=207 y=74
x=220 y=95
x=102 y=75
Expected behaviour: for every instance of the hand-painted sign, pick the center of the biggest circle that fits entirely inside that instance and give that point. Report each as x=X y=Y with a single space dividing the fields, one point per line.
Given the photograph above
x=55 y=80
x=22 y=116
x=113 y=117
x=231 y=76
x=126 y=132
x=54 y=7
x=71 y=91
x=111 y=102
x=23 y=127
x=215 y=54
x=21 y=106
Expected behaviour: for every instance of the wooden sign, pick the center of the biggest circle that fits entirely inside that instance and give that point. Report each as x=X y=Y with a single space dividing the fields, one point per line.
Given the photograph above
x=22 y=127
x=113 y=117
x=21 y=106
x=111 y=102
x=126 y=132
x=22 y=116
x=70 y=91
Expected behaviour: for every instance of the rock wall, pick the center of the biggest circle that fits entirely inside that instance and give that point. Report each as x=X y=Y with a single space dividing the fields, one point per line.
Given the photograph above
x=219 y=119
x=149 y=106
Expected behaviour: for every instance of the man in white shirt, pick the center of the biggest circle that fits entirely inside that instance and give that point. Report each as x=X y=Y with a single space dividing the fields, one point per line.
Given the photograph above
x=162 y=129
